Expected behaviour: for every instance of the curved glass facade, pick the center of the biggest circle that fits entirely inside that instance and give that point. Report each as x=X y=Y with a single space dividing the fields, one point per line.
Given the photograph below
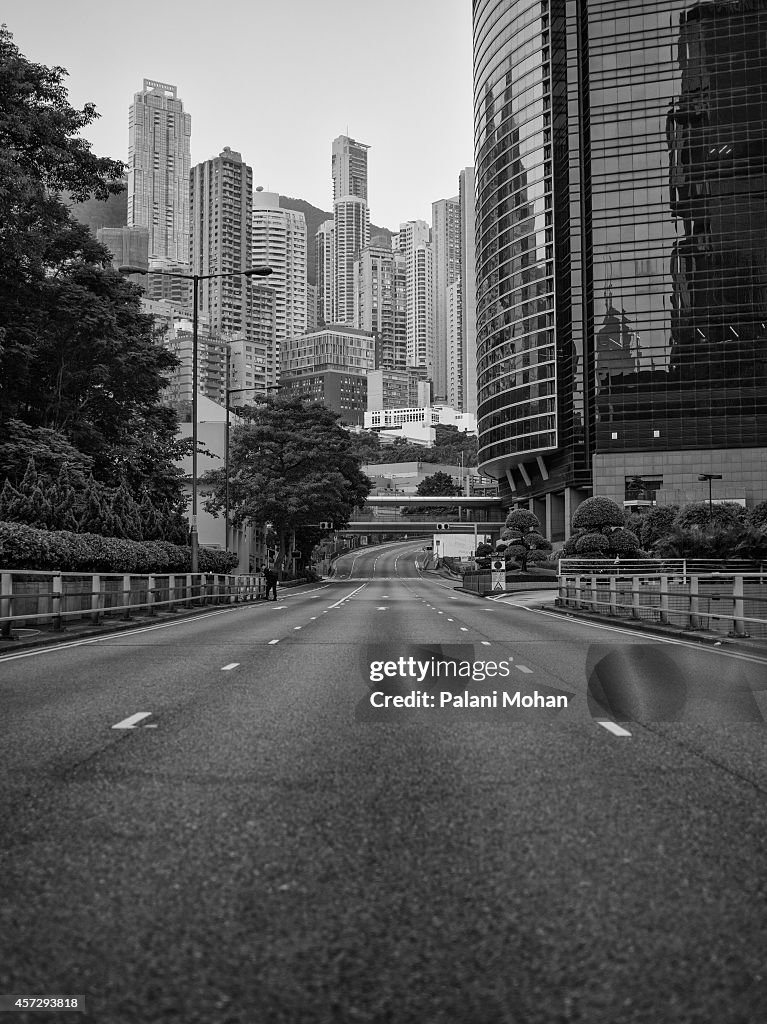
x=621 y=151
x=516 y=367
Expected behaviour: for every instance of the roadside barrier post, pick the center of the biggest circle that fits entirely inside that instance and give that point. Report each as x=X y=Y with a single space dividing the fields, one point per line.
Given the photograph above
x=96 y=599
x=6 y=598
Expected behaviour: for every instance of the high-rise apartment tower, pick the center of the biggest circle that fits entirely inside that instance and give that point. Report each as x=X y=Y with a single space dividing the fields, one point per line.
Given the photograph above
x=158 y=170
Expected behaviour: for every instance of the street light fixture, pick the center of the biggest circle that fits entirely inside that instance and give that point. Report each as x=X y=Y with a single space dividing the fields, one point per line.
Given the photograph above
x=195 y=279
x=710 y=477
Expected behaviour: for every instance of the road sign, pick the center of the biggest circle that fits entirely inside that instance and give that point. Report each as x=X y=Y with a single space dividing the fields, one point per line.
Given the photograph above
x=498 y=578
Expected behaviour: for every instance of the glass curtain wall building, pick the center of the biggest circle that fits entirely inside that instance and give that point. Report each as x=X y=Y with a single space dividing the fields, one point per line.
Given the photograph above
x=621 y=249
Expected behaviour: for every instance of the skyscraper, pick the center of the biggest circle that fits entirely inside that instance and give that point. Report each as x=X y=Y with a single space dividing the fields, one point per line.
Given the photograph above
x=414 y=244
x=622 y=263
x=446 y=249
x=222 y=242
x=326 y=245
x=279 y=242
x=351 y=221
x=158 y=170
x=468 y=305
x=349 y=166
x=351 y=231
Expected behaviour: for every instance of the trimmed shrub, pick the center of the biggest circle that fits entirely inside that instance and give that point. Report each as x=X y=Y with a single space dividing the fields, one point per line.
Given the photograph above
x=623 y=542
x=25 y=547
x=596 y=513
x=523 y=520
x=595 y=543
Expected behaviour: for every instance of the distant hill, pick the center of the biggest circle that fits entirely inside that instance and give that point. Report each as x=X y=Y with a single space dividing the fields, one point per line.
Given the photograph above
x=113 y=213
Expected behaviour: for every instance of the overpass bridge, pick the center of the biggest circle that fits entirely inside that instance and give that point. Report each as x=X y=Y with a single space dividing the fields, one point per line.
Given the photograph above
x=399 y=513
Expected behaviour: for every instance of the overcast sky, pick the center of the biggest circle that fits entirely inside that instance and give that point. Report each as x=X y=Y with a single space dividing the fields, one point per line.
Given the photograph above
x=278 y=81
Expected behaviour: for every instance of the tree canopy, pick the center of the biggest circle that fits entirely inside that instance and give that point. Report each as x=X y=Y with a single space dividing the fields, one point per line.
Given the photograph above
x=292 y=466
x=81 y=369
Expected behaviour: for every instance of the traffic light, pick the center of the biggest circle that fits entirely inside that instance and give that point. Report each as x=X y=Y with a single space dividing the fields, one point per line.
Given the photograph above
x=326 y=525
x=443 y=526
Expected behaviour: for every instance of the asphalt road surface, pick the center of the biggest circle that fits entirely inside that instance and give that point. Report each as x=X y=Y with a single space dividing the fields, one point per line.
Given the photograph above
x=226 y=820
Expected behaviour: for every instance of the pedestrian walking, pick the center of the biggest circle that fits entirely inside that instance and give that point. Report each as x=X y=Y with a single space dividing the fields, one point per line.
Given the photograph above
x=270 y=578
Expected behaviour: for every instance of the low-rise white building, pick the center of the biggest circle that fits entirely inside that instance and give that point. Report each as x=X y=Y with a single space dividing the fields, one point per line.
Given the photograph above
x=417 y=425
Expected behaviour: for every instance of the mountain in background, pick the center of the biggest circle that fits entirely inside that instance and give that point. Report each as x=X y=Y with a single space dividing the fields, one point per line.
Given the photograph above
x=314 y=217
x=113 y=213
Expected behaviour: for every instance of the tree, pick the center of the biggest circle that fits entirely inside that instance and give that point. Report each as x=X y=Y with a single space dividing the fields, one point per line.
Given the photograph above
x=438 y=484
x=599 y=531
x=522 y=538
x=291 y=466
x=84 y=366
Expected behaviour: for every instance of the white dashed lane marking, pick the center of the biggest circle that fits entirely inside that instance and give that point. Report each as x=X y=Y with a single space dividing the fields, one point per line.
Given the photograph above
x=273 y=642
x=524 y=668
x=485 y=643
x=464 y=629
x=613 y=727
x=228 y=668
x=130 y=723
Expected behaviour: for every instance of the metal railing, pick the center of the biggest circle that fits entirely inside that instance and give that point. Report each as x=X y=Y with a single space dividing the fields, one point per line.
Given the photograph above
x=683 y=566
x=31 y=599
x=731 y=603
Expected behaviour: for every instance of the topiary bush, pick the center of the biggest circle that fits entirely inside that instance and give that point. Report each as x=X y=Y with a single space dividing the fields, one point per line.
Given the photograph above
x=523 y=520
x=592 y=543
x=623 y=542
x=596 y=513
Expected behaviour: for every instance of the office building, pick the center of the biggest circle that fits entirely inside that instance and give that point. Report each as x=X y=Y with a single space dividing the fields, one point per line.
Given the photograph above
x=279 y=242
x=621 y=258
x=468 y=276
x=446 y=258
x=330 y=366
x=381 y=303
x=159 y=135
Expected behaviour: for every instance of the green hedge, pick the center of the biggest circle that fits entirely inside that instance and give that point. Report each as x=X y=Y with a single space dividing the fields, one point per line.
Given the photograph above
x=25 y=547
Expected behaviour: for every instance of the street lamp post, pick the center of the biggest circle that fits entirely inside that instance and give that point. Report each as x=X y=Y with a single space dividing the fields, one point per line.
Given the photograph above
x=195 y=279
x=710 y=477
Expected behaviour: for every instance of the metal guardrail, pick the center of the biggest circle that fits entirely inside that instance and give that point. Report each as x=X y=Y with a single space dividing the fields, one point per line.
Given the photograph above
x=684 y=566
x=35 y=598
x=731 y=603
